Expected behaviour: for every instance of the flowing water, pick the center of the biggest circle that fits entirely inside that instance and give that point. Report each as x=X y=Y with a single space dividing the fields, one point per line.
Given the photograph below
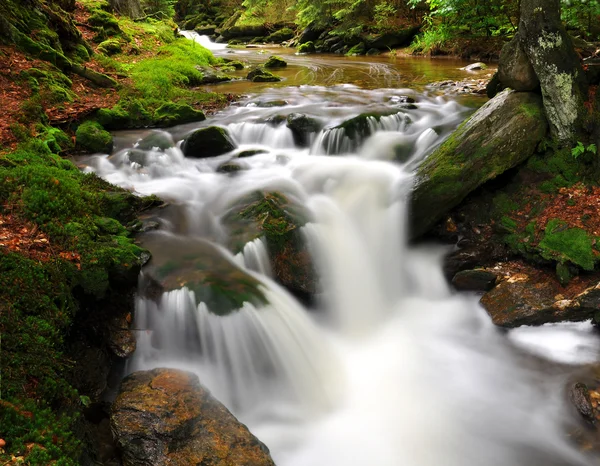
x=388 y=366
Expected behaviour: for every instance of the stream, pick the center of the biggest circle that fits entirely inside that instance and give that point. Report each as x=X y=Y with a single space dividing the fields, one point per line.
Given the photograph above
x=388 y=366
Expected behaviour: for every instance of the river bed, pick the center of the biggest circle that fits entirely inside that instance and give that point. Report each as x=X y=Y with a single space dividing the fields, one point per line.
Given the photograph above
x=388 y=365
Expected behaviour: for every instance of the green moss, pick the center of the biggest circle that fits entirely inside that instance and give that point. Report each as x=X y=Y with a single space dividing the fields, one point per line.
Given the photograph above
x=307 y=47
x=105 y=20
x=358 y=49
x=275 y=62
x=110 y=47
x=92 y=137
x=280 y=36
x=563 y=244
x=171 y=114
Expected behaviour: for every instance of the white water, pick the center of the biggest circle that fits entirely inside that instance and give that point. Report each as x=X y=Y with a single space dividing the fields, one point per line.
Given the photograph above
x=391 y=368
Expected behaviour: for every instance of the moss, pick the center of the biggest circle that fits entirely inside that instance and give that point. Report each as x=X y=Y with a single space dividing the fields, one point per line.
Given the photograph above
x=275 y=62
x=110 y=47
x=307 y=47
x=358 y=49
x=280 y=36
x=171 y=114
x=92 y=137
x=563 y=244
x=105 y=20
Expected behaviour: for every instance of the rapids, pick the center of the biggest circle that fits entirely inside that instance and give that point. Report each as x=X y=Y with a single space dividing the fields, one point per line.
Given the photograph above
x=389 y=367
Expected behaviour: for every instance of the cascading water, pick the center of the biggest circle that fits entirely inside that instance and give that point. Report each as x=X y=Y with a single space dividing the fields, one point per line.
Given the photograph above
x=389 y=366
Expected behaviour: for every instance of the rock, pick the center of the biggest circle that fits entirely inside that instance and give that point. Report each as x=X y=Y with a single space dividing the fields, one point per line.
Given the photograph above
x=494 y=86
x=474 y=280
x=207 y=142
x=156 y=140
x=229 y=167
x=307 y=47
x=238 y=65
x=251 y=152
x=205 y=30
x=273 y=216
x=210 y=76
x=244 y=31
x=275 y=62
x=361 y=126
x=310 y=34
x=500 y=135
x=171 y=114
x=528 y=299
x=302 y=127
x=580 y=397
x=260 y=75
x=121 y=340
x=475 y=67
x=92 y=137
x=280 y=36
x=390 y=40
x=165 y=417
x=202 y=268
x=358 y=49
x=372 y=52
x=515 y=70
x=272 y=103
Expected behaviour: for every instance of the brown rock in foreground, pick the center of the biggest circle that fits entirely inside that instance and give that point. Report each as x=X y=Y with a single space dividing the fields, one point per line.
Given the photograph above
x=166 y=417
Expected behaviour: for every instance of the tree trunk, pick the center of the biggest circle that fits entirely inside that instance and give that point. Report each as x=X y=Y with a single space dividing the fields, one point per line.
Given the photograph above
x=557 y=66
x=130 y=8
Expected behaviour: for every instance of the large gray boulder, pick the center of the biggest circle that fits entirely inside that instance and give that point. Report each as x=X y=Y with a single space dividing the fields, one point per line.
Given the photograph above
x=515 y=70
x=499 y=136
x=165 y=417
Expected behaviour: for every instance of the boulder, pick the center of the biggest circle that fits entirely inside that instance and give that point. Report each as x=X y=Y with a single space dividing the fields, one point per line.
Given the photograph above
x=307 y=47
x=275 y=62
x=207 y=142
x=475 y=67
x=211 y=76
x=260 y=75
x=278 y=220
x=171 y=114
x=166 y=417
x=531 y=299
x=244 y=31
x=499 y=136
x=230 y=167
x=310 y=34
x=302 y=127
x=205 y=30
x=279 y=36
x=474 y=280
x=515 y=70
x=390 y=40
x=92 y=137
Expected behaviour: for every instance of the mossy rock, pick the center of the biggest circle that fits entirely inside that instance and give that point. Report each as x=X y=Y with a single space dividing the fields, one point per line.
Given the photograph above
x=307 y=47
x=230 y=167
x=204 y=30
x=280 y=36
x=358 y=49
x=171 y=114
x=564 y=245
x=238 y=65
x=359 y=127
x=110 y=47
x=92 y=137
x=201 y=267
x=500 y=135
x=260 y=75
x=105 y=20
x=208 y=142
x=302 y=127
x=127 y=114
x=278 y=220
x=275 y=62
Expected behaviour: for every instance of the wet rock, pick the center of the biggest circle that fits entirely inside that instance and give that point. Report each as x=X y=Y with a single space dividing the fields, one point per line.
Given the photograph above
x=251 y=152
x=361 y=126
x=466 y=86
x=307 y=47
x=475 y=67
x=272 y=103
x=156 y=140
x=120 y=339
x=275 y=62
x=499 y=136
x=278 y=220
x=244 y=31
x=515 y=70
x=303 y=127
x=526 y=299
x=171 y=114
x=238 y=65
x=201 y=267
x=205 y=30
x=165 y=417
x=372 y=52
x=358 y=49
x=474 y=280
x=210 y=76
x=260 y=75
x=580 y=397
x=229 y=167
x=310 y=34
x=92 y=137
x=280 y=36
x=207 y=142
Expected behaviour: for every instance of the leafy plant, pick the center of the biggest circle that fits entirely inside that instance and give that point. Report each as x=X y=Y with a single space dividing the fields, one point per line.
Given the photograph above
x=581 y=149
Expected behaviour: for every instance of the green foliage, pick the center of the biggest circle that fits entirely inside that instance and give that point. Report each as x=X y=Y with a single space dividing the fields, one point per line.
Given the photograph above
x=159 y=8
x=110 y=47
x=383 y=13
x=563 y=244
x=581 y=149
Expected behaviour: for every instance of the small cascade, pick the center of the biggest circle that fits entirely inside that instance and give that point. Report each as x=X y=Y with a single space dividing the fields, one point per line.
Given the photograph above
x=255 y=257
x=396 y=122
x=332 y=141
x=279 y=137
x=204 y=41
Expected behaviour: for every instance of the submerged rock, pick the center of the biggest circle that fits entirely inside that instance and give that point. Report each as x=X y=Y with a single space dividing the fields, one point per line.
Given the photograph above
x=474 y=280
x=166 y=417
x=500 y=135
x=208 y=142
x=156 y=140
x=307 y=47
x=302 y=126
x=475 y=67
x=260 y=75
x=275 y=62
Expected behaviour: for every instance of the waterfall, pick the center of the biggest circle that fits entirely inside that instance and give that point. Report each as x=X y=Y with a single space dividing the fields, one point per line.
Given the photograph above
x=387 y=366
